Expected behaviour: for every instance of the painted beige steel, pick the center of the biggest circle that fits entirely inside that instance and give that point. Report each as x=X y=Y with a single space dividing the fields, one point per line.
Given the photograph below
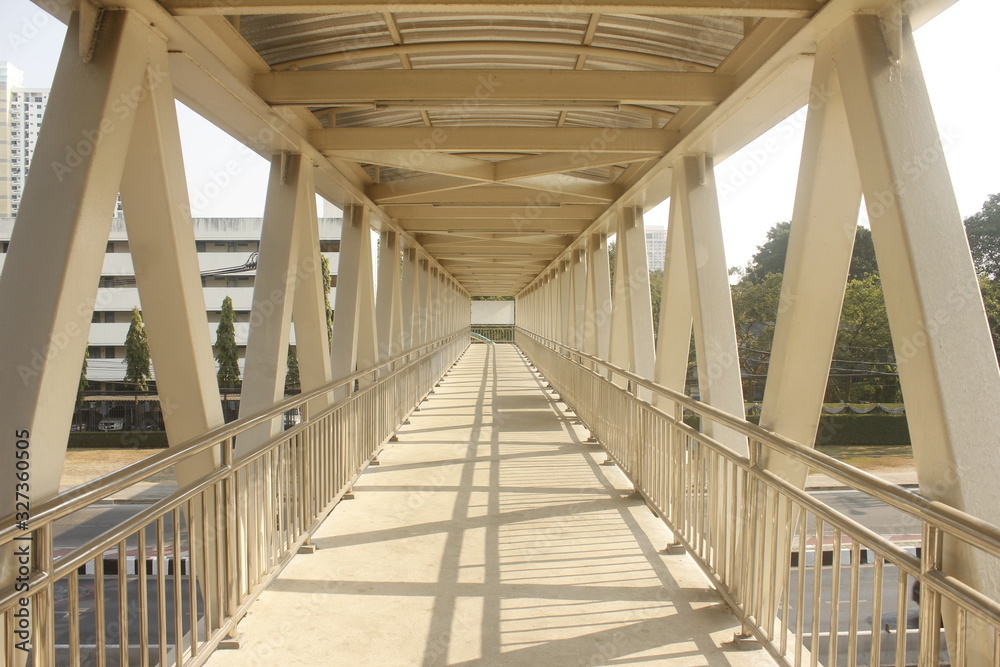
x=515 y=87
x=312 y=339
x=278 y=265
x=354 y=345
x=790 y=8
x=388 y=301
x=719 y=379
x=44 y=329
x=673 y=345
x=631 y=343
x=940 y=335
x=597 y=326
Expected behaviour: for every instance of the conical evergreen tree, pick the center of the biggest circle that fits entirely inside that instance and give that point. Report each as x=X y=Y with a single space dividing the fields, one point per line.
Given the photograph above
x=225 y=347
x=137 y=353
x=292 y=374
x=327 y=284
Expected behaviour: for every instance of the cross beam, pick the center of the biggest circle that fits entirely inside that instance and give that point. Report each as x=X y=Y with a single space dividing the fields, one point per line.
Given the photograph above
x=770 y=8
x=470 y=88
x=583 y=141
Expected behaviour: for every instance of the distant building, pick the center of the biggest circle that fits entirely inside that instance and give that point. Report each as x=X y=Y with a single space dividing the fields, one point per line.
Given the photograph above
x=656 y=247
x=21 y=113
x=226 y=248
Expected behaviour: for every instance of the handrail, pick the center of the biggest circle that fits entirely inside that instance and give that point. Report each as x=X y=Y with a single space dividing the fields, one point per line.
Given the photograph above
x=232 y=530
x=973 y=529
x=85 y=494
x=753 y=532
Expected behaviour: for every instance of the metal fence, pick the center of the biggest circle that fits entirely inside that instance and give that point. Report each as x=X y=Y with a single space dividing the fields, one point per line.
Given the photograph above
x=812 y=585
x=169 y=584
x=498 y=333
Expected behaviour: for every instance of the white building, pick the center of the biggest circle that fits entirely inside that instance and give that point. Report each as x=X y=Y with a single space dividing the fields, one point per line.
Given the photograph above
x=21 y=113
x=656 y=247
x=226 y=247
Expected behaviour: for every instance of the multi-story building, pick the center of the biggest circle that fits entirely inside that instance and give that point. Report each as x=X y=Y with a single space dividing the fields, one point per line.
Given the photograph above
x=227 y=250
x=656 y=247
x=21 y=113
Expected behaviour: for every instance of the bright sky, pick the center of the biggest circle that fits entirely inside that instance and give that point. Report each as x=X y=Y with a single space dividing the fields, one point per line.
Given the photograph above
x=956 y=50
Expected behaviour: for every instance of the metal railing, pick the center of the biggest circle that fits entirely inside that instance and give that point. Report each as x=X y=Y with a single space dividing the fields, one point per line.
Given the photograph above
x=498 y=333
x=812 y=585
x=171 y=582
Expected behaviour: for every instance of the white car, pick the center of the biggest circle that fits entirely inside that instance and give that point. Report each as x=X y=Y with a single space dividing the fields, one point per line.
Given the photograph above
x=111 y=424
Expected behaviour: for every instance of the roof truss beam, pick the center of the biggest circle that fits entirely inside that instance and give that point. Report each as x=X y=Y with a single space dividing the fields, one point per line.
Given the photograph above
x=469 y=88
x=583 y=141
x=572 y=212
x=771 y=8
x=419 y=226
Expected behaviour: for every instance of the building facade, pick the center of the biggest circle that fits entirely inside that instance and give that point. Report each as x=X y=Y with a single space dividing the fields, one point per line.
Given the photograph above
x=21 y=113
x=656 y=247
x=227 y=251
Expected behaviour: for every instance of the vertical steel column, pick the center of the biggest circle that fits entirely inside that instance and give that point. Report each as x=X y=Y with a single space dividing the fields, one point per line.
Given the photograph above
x=389 y=304
x=632 y=315
x=411 y=299
x=354 y=343
x=711 y=299
x=597 y=309
x=578 y=272
x=273 y=295
x=312 y=342
x=423 y=303
x=673 y=345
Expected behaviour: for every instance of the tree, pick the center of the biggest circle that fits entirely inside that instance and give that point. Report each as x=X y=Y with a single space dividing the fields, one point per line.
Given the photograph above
x=84 y=384
x=137 y=353
x=755 y=310
x=770 y=256
x=983 y=230
x=864 y=366
x=327 y=284
x=292 y=374
x=612 y=258
x=991 y=300
x=225 y=347
x=655 y=297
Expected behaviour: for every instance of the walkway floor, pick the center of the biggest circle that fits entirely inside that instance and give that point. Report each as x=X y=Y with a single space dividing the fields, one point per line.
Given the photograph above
x=490 y=535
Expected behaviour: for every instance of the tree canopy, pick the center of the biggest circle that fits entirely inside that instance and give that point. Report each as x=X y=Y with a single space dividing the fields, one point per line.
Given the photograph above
x=770 y=256
x=983 y=230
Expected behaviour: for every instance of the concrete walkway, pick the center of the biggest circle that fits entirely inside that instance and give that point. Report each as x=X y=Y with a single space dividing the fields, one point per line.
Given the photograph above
x=490 y=535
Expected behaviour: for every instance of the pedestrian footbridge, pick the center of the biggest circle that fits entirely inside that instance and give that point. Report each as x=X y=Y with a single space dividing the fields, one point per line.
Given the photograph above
x=556 y=499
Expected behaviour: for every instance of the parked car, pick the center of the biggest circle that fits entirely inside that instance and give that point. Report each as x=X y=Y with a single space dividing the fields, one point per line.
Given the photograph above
x=111 y=424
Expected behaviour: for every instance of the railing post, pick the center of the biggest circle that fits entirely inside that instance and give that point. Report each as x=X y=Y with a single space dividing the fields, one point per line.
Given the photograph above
x=931 y=556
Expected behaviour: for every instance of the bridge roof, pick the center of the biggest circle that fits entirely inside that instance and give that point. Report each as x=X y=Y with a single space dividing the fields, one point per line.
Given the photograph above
x=493 y=135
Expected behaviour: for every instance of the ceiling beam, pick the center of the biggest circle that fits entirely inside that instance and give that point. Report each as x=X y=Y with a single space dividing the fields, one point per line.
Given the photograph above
x=469 y=88
x=526 y=200
x=775 y=8
x=549 y=226
x=575 y=140
x=564 y=212
x=429 y=162
x=557 y=163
